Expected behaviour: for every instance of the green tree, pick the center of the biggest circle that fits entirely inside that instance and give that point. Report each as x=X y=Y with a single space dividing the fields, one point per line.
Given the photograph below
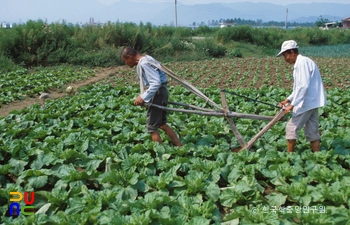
x=320 y=22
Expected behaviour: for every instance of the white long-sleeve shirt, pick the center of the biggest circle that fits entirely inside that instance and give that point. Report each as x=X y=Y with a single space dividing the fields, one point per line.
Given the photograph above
x=152 y=77
x=308 y=90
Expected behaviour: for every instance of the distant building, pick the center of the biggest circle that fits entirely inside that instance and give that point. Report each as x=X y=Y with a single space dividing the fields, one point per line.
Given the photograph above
x=222 y=25
x=332 y=25
x=6 y=25
x=346 y=23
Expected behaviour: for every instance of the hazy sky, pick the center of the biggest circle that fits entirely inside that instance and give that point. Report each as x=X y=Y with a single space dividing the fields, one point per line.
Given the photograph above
x=188 y=2
x=18 y=11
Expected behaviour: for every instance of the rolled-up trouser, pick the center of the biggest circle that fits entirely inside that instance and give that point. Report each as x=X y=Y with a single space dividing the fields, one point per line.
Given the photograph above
x=308 y=120
x=156 y=116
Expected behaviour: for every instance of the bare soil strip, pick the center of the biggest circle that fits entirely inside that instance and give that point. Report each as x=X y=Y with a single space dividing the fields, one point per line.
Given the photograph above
x=57 y=93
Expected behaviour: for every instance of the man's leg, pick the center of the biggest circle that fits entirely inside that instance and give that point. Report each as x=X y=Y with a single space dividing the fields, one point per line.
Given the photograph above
x=293 y=126
x=154 y=118
x=158 y=116
x=156 y=137
x=311 y=131
x=291 y=134
x=315 y=146
x=171 y=134
x=291 y=145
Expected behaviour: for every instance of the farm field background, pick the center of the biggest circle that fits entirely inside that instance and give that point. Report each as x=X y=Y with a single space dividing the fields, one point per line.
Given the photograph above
x=89 y=161
x=219 y=73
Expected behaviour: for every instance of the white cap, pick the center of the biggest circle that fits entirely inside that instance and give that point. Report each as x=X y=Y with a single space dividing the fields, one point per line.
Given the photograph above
x=287 y=45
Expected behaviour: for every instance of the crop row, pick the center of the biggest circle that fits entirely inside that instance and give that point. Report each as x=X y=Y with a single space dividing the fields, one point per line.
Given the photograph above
x=249 y=72
x=20 y=84
x=327 y=51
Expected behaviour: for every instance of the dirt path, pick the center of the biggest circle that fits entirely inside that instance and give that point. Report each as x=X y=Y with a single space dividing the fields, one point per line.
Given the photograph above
x=54 y=94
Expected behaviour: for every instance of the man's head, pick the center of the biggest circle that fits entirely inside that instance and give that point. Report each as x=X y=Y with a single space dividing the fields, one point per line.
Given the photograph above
x=130 y=56
x=289 y=50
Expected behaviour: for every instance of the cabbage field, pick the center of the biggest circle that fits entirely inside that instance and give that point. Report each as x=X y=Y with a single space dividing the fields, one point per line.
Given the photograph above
x=89 y=160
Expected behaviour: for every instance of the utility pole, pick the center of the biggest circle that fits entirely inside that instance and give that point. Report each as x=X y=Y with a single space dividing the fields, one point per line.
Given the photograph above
x=175 y=13
x=286 y=19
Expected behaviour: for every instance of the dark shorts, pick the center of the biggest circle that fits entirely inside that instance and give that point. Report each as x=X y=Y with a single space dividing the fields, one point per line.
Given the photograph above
x=156 y=116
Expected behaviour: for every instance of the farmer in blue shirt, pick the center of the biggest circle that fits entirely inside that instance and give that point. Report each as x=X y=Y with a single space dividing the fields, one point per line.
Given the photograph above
x=307 y=96
x=153 y=85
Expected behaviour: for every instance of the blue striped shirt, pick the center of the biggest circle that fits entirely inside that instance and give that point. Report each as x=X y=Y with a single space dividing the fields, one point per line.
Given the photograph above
x=152 y=77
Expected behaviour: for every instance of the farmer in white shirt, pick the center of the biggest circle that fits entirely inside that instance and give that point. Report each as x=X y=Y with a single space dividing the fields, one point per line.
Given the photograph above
x=153 y=84
x=307 y=96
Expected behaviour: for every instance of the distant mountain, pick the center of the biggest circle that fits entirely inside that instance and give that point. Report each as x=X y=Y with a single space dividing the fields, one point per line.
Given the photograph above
x=164 y=12
x=187 y=14
x=263 y=11
x=310 y=12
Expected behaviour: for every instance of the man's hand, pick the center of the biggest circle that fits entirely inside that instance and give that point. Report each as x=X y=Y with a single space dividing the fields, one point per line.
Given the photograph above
x=283 y=103
x=288 y=108
x=138 y=101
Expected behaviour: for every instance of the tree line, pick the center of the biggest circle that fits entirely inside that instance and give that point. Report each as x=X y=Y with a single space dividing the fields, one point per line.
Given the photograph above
x=37 y=43
x=257 y=23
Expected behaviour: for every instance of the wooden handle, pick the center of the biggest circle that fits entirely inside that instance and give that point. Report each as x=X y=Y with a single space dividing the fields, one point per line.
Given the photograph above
x=277 y=118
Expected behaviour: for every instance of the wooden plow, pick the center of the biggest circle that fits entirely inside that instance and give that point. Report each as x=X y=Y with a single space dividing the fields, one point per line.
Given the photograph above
x=222 y=110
